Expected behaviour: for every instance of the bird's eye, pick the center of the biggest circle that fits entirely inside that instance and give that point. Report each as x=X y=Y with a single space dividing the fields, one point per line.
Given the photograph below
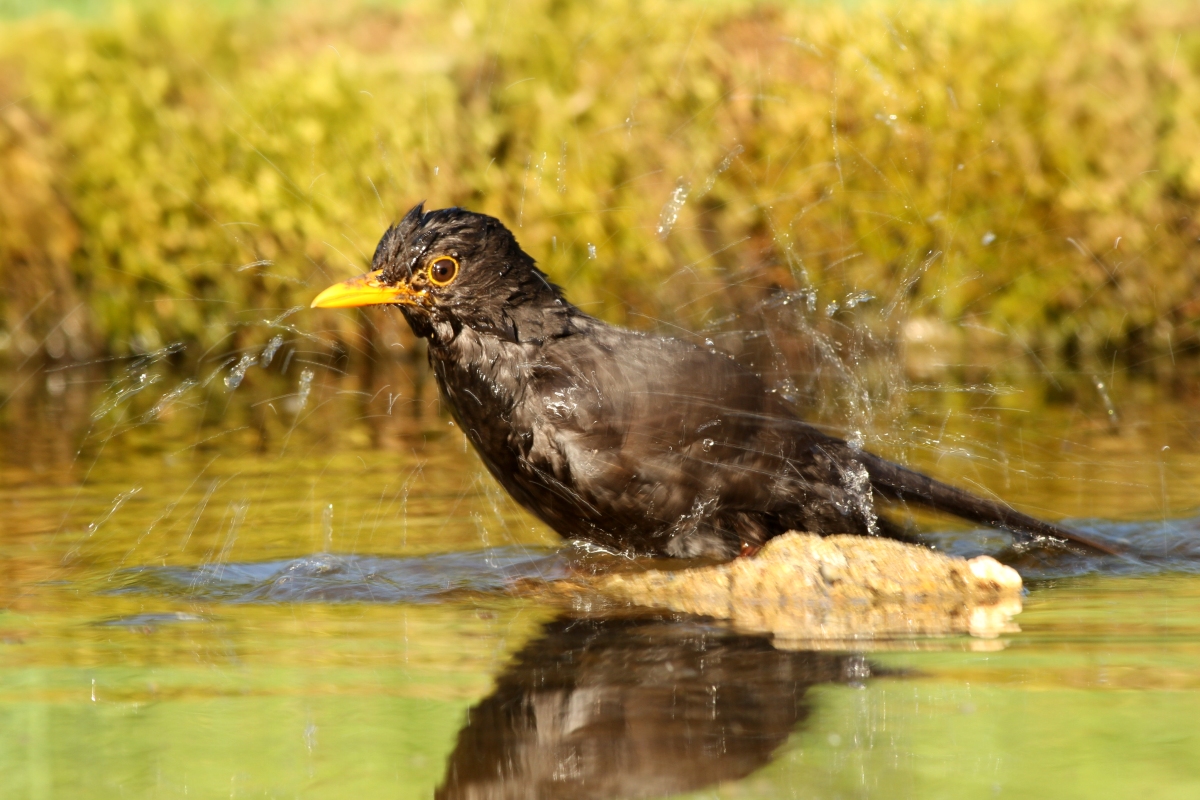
x=443 y=270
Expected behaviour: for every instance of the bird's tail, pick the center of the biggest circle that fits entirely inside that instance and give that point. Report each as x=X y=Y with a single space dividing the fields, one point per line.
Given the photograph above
x=899 y=483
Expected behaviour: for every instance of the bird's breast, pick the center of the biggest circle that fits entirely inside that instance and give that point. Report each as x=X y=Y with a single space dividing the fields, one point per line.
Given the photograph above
x=482 y=379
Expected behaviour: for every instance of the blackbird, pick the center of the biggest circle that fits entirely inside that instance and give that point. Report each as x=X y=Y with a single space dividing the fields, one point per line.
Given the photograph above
x=636 y=705
x=634 y=442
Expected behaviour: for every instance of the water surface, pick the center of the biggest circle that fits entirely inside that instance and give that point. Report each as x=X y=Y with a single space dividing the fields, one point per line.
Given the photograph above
x=280 y=586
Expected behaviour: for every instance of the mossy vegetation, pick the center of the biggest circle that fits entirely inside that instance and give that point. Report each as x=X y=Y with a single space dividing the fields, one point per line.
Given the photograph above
x=171 y=173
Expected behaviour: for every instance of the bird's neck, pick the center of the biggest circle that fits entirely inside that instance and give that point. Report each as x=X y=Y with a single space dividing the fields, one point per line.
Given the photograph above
x=480 y=374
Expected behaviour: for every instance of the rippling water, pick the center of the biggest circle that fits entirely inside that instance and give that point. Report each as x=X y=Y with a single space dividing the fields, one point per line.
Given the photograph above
x=284 y=586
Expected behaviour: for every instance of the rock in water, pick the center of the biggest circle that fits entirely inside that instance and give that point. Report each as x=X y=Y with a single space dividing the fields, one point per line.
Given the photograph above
x=805 y=587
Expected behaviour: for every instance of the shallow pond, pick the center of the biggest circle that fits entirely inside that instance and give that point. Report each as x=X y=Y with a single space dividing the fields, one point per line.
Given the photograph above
x=289 y=586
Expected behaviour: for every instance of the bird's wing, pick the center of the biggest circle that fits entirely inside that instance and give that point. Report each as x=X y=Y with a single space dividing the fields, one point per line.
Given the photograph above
x=669 y=426
x=665 y=426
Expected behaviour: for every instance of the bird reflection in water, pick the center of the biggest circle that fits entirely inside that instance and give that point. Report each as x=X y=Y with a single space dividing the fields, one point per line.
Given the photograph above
x=635 y=707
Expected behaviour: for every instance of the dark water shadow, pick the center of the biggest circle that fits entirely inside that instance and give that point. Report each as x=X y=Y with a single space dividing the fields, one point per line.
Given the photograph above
x=1151 y=547
x=641 y=706
x=1148 y=547
x=329 y=578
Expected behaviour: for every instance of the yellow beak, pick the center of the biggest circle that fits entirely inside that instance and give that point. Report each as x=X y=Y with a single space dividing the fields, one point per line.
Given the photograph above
x=366 y=290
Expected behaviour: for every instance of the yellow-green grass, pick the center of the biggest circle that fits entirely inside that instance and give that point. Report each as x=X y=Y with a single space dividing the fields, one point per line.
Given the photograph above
x=170 y=173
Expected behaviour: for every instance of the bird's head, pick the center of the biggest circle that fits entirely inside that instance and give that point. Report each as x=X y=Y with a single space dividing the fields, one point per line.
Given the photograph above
x=449 y=269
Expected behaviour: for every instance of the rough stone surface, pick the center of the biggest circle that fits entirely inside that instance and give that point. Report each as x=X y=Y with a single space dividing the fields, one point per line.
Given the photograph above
x=804 y=587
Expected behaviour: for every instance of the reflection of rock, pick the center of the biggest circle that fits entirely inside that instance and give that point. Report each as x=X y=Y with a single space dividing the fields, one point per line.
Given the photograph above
x=634 y=707
x=803 y=586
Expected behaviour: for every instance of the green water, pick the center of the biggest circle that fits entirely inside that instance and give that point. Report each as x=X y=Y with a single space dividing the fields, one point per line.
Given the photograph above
x=134 y=664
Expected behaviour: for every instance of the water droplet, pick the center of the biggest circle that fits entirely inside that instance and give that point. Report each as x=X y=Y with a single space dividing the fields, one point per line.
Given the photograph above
x=269 y=351
x=725 y=164
x=857 y=298
x=670 y=211
x=988 y=238
x=306 y=379
x=56 y=383
x=327 y=527
x=707 y=444
x=562 y=170
x=1109 y=407
x=234 y=379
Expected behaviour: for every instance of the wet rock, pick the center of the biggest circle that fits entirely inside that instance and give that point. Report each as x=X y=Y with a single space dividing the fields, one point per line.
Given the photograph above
x=803 y=587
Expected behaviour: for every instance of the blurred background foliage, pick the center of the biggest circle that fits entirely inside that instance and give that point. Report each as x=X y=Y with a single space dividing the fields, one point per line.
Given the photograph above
x=1018 y=170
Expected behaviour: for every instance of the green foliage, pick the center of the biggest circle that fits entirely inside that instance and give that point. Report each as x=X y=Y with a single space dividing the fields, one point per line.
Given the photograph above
x=169 y=172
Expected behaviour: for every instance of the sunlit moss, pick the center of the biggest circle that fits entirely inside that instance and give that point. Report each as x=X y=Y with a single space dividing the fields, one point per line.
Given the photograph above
x=170 y=172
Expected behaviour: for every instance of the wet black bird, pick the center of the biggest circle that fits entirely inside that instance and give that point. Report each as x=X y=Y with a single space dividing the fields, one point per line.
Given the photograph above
x=627 y=440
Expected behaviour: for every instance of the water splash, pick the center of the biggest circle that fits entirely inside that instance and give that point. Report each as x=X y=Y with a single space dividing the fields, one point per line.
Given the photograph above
x=236 y=375
x=269 y=351
x=328 y=578
x=212 y=376
x=858 y=298
x=169 y=398
x=296 y=404
x=118 y=501
x=155 y=356
x=725 y=164
x=214 y=565
x=670 y=211
x=201 y=506
x=278 y=324
x=262 y=262
x=562 y=169
x=860 y=498
x=327 y=528
x=141 y=383
x=1114 y=420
